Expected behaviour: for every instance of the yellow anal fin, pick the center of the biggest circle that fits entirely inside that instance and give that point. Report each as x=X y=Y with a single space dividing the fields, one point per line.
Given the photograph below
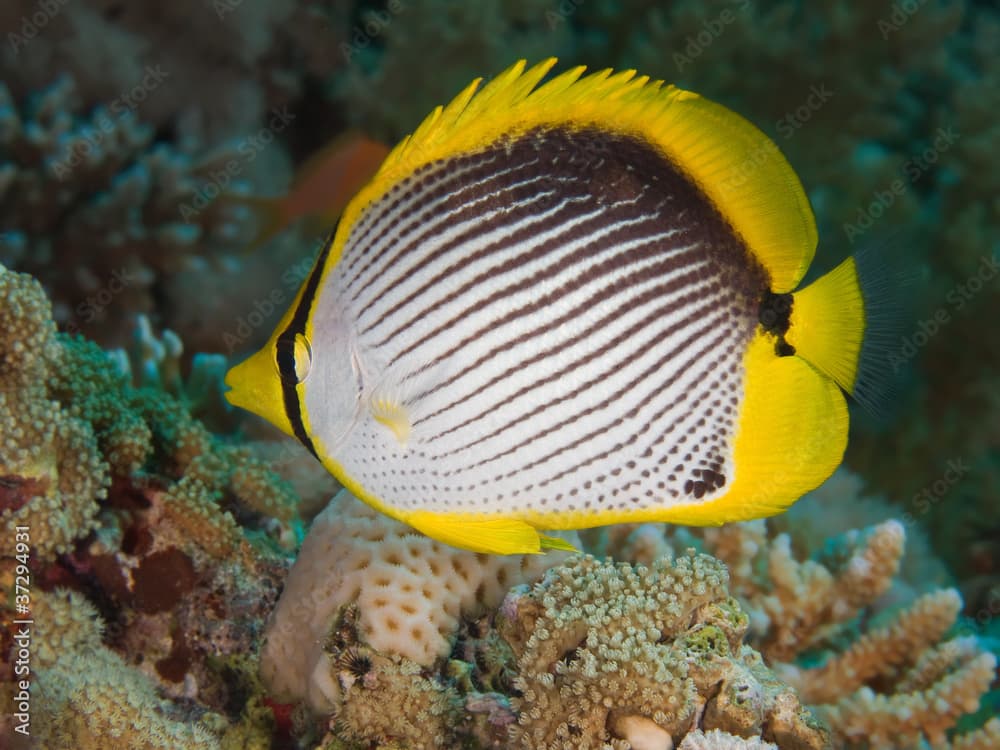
x=393 y=415
x=497 y=536
x=555 y=543
x=792 y=433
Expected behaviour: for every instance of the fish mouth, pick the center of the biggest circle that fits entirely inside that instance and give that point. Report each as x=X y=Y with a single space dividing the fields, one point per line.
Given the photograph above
x=230 y=392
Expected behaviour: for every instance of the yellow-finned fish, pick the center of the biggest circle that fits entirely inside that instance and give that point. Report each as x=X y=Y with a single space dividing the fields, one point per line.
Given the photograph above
x=566 y=305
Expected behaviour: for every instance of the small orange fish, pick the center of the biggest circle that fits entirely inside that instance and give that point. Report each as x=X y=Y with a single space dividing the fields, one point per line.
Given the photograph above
x=325 y=183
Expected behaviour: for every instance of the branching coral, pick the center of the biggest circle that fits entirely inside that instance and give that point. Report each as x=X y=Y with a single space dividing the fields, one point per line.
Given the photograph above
x=93 y=207
x=924 y=684
x=899 y=683
x=225 y=63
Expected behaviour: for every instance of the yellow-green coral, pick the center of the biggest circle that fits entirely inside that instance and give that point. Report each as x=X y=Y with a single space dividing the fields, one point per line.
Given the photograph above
x=71 y=422
x=607 y=652
x=51 y=473
x=86 y=697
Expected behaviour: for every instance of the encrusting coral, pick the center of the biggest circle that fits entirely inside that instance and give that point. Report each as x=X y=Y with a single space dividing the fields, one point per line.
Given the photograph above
x=85 y=696
x=607 y=652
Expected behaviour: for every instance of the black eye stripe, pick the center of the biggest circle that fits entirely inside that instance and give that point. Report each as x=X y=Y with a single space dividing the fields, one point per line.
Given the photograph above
x=285 y=349
x=285 y=356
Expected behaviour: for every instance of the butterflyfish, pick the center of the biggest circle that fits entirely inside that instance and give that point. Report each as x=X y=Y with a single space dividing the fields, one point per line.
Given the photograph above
x=566 y=304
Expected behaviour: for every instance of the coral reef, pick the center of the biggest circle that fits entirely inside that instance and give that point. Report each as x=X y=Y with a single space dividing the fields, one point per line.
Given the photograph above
x=178 y=536
x=820 y=647
x=223 y=64
x=86 y=696
x=51 y=469
x=159 y=547
x=388 y=52
x=72 y=423
x=108 y=219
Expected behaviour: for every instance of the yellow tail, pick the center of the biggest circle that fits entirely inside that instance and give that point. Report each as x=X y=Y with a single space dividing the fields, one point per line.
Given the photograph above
x=827 y=325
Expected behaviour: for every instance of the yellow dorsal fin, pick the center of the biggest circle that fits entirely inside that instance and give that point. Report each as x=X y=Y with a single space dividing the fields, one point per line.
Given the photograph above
x=393 y=415
x=827 y=324
x=738 y=167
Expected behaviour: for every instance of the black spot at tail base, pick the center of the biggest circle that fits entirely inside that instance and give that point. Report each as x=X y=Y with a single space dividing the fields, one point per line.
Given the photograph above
x=775 y=317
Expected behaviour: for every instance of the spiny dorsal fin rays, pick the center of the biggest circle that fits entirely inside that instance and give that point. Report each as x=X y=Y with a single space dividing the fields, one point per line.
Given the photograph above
x=500 y=94
x=738 y=168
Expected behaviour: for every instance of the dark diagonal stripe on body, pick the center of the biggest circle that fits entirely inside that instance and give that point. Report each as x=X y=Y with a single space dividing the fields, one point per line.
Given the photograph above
x=630 y=355
x=632 y=303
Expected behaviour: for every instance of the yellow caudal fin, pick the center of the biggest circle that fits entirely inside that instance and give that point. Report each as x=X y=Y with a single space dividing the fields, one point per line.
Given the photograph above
x=497 y=536
x=827 y=325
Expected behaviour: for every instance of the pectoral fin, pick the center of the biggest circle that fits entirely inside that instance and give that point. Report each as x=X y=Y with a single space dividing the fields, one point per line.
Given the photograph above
x=389 y=412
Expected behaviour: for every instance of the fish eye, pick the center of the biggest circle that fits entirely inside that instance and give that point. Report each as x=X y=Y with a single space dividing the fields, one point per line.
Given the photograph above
x=293 y=357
